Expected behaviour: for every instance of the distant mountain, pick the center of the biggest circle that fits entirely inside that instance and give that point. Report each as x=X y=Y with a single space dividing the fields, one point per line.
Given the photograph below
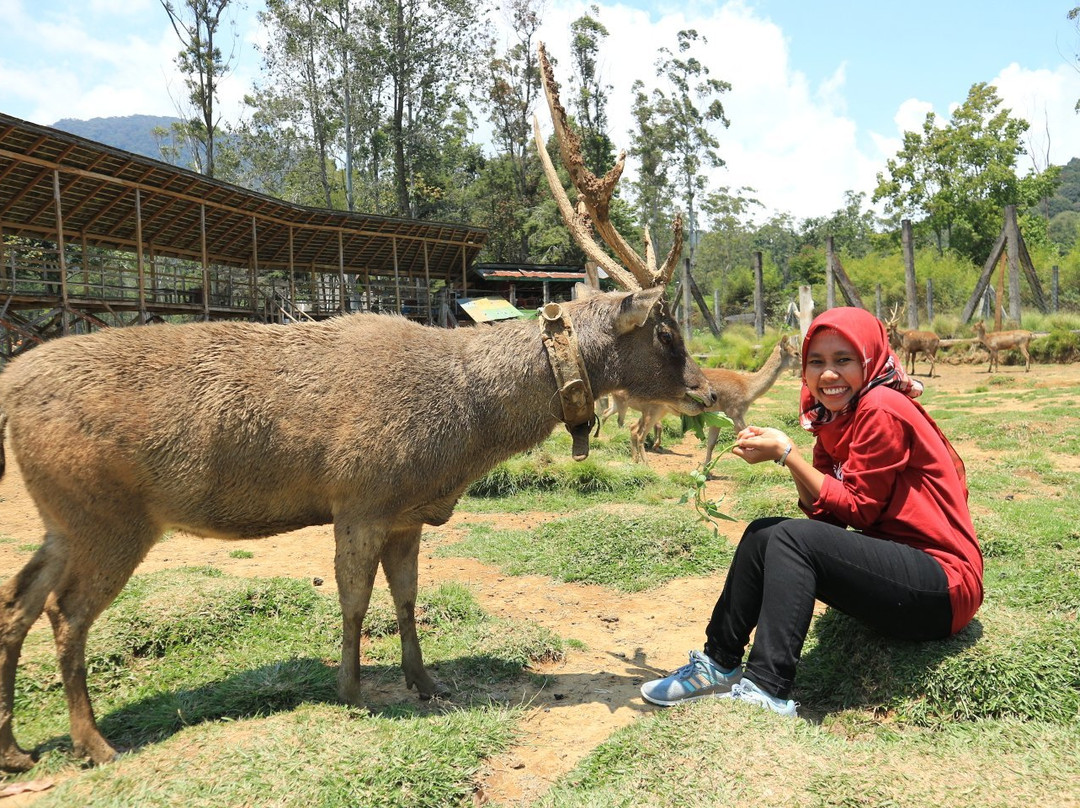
x=1067 y=196
x=133 y=133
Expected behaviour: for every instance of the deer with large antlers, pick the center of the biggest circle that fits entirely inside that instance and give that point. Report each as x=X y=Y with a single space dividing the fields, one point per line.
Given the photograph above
x=911 y=343
x=996 y=341
x=368 y=422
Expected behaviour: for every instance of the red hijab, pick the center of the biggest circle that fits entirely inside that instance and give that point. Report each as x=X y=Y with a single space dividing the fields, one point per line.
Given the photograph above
x=881 y=366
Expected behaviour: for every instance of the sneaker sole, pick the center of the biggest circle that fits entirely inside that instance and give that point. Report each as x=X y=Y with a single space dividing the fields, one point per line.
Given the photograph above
x=720 y=694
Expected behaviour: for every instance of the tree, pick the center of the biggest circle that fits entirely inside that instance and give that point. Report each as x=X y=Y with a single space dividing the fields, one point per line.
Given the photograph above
x=1074 y=15
x=427 y=50
x=673 y=135
x=591 y=96
x=514 y=87
x=851 y=227
x=728 y=245
x=196 y=23
x=959 y=176
x=294 y=117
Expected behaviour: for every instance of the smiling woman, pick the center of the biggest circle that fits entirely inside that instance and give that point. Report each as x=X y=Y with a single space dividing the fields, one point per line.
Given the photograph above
x=834 y=372
x=889 y=540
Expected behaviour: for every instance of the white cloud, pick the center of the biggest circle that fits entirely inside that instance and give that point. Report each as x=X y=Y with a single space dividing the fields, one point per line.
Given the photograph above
x=1047 y=101
x=790 y=141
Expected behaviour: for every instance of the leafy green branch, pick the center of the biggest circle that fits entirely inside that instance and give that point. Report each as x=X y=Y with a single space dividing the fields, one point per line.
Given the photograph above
x=708 y=510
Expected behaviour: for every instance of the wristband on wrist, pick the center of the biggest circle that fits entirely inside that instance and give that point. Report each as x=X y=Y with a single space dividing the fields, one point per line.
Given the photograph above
x=782 y=459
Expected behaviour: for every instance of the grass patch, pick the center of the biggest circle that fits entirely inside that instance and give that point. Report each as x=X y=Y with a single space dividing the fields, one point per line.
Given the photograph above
x=200 y=668
x=713 y=752
x=629 y=550
x=241 y=554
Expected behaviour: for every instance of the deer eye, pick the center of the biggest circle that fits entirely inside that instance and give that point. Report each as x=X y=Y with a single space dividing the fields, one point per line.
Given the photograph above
x=665 y=337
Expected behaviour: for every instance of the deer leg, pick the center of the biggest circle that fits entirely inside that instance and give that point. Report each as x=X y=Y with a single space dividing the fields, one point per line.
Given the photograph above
x=97 y=571
x=399 y=562
x=356 y=560
x=22 y=599
x=1027 y=357
x=714 y=434
x=637 y=441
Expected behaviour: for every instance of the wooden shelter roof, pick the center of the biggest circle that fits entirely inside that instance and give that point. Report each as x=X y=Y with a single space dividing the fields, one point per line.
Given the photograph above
x=100 y=188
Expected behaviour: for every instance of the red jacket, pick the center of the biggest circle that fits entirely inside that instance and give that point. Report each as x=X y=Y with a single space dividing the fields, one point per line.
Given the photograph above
x=891 y=476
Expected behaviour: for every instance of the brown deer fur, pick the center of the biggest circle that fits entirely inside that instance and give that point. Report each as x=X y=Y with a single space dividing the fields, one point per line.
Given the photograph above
x=369 y=422
x=735 y=391
x=995 y=341
x=910 y=343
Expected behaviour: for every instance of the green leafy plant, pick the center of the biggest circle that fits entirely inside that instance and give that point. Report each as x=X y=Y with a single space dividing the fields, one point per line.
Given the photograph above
x=708 y=510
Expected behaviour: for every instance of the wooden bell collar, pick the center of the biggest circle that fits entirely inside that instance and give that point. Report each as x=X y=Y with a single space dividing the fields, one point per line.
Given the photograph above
x=575 y=392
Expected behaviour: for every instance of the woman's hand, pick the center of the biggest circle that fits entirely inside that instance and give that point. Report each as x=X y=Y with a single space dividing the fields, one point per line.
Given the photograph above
x=756 y=444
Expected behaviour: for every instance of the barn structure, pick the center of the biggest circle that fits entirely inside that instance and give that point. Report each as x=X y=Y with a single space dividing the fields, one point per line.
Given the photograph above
x=92 y=235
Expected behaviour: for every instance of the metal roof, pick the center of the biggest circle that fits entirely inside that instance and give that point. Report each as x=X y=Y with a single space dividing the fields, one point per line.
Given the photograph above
x=100 y=190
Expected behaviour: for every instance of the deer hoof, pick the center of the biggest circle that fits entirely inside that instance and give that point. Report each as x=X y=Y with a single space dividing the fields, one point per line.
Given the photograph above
x=16 y=760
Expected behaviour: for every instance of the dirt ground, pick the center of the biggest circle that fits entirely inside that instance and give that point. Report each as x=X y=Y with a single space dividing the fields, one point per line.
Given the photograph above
x=629 y=638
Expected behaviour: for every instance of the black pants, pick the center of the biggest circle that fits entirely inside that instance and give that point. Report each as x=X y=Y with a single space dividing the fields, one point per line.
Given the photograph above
x=782 y=565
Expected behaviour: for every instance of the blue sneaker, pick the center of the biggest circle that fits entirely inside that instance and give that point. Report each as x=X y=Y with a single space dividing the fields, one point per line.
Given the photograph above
x=700 y=678
x=746 y=690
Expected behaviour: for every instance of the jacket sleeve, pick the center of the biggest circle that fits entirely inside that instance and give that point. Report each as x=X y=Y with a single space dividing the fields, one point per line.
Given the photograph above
x=824 y=463
x=880 y=450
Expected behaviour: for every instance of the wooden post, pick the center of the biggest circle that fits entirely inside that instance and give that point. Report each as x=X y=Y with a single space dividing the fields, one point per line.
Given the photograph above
x=686 y=300
x=465 y=279
x=84 y=252
x=830 y=281
x=877 y=301
x=759 y=296
x=929 y=300
x=909 y=273
x=1012 y=248
x=427 y=286
x=806 y=309
x=716 y=302
x=341 y=273
x=998 y=308
x=139 y=256
x=61 y=258
x=253 y=272
x=292 y=277
x=397 y=279
x=205 y=264
x=1054 y=280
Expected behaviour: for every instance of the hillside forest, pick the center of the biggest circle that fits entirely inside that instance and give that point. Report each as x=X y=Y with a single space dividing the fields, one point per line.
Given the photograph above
x=376 y=106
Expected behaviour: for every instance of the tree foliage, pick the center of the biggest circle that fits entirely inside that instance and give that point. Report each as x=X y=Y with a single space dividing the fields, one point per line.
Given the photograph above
x=196 y=24
x=958 y=177
x=673 y=139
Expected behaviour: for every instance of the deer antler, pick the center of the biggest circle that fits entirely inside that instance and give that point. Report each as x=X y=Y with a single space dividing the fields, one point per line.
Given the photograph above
x=594 y=194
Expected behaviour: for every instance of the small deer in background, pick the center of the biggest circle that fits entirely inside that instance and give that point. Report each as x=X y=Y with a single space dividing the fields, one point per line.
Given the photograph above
x=911 y=343
x=735 y=391
x=995 y=341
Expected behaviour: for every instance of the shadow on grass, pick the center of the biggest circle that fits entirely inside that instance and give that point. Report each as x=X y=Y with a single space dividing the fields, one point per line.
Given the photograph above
x=475 y=682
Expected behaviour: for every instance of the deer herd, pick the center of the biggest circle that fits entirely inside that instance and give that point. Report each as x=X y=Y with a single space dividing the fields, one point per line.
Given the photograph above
x=370 y=423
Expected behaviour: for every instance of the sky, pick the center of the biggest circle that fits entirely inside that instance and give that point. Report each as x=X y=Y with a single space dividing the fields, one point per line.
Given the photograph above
x=821 y=90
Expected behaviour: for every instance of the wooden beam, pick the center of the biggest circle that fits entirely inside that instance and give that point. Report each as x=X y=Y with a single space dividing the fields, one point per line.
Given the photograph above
x=984 y=278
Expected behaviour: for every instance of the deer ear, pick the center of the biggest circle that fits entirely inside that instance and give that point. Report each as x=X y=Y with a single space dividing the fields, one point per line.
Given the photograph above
x=635 y=309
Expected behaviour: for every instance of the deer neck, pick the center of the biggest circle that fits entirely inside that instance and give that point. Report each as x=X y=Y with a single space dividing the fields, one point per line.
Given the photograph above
x=767 y=374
